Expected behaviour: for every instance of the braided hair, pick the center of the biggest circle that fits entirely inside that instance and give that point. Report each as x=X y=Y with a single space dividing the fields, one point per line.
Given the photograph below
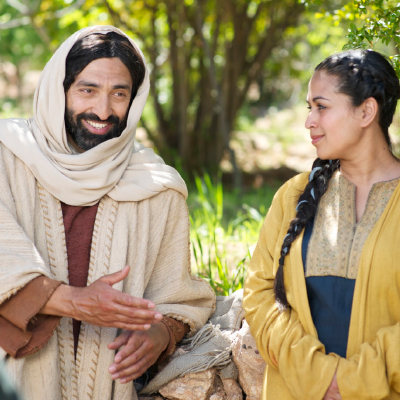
x=361 y=74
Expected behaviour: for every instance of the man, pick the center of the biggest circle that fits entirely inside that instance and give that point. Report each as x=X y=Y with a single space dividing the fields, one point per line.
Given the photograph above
x=94 y=242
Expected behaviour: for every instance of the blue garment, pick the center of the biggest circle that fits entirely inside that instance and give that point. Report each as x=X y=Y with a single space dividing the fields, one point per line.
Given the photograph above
x=7 y=389
x=330 y=299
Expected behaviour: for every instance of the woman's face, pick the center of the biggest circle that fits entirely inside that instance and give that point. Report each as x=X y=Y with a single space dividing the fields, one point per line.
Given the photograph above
x=333 y=122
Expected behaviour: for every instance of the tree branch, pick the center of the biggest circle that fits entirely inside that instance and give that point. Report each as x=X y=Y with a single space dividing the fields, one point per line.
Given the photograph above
x=67 y=10
x=221 y=114
x=117 y=20
x=22 y=8
x=43 y=35
x=267 y=42
x=15 y=23
x=158 y=140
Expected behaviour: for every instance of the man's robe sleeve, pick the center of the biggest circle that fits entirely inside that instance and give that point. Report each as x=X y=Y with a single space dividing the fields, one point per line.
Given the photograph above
x=22 y=330
x=177 y=330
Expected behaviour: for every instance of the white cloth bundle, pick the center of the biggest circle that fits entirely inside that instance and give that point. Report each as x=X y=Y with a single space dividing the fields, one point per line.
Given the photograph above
x=209 y=348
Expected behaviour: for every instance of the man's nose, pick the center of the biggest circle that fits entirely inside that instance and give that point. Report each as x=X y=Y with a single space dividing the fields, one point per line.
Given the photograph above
x=102 y=107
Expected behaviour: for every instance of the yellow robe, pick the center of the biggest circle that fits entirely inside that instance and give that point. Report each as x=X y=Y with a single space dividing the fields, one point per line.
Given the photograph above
x=297 y=365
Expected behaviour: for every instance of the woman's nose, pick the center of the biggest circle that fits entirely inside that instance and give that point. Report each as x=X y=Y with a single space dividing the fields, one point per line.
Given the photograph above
x=310 y=121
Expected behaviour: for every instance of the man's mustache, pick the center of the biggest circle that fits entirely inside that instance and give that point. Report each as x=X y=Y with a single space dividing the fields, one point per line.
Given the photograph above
x=112 y=119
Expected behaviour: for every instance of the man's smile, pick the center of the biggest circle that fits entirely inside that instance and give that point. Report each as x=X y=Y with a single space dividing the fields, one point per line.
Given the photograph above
x=96 y=127
x=87 y=130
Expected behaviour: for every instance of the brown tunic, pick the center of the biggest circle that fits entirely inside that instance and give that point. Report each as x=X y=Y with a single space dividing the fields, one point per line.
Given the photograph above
x=22 y=330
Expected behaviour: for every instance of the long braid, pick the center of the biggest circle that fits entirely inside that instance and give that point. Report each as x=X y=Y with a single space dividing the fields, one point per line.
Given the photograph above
x=306 y=208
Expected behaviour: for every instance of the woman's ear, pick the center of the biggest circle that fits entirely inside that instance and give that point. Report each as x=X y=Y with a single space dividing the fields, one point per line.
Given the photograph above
x=369 y=111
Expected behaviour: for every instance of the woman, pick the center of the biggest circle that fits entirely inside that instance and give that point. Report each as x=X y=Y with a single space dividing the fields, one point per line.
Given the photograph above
x=322 y=296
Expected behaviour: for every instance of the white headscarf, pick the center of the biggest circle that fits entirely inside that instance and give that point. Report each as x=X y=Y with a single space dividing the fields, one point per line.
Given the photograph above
x=120 y=167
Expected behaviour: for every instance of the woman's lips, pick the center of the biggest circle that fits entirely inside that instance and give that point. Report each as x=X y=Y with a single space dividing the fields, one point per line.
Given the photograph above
x=316 y=138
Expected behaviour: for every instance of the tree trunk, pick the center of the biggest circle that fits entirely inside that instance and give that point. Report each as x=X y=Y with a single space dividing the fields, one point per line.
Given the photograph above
x=206 y=93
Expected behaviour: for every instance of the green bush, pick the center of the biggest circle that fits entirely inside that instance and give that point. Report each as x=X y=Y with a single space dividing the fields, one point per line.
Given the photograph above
x=222 y=242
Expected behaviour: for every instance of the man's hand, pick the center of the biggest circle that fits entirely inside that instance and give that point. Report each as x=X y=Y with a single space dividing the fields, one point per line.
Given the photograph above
x=333 y=391
x=99 y=304
x=141 y=351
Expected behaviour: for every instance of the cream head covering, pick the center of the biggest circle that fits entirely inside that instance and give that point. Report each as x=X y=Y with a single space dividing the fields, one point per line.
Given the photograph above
x=120 y=167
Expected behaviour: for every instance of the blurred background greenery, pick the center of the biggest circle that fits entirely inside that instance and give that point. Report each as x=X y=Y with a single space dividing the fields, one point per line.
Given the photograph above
x=227 y=103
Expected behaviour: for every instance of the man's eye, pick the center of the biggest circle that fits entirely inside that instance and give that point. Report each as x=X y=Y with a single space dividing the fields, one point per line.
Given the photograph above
x=87 y=91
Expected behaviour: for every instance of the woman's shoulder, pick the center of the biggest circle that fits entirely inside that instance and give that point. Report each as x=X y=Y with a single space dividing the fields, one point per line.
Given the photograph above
x=293 y=185
x=287 y=196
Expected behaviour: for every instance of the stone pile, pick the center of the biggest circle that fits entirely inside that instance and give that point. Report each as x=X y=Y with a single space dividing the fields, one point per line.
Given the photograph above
x=241 y=379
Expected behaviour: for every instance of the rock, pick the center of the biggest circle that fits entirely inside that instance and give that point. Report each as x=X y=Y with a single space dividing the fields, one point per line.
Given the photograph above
x=149 y=398
x=229 y=376
x=229 y=372
x=219 y=392
x=232 y=389
x=249 y=362
x=193 y=386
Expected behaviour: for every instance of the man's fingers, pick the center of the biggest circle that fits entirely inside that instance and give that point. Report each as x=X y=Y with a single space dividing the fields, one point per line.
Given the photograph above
x=129 y=355
x=116 y=277
x=135 y=349
x=133 y=372
x=120 y=340
x=138 y=346
x=129 y=327
x=131 y=301
x=118 y=316
x=133 y=369
x=140 y=352
x=129 y=315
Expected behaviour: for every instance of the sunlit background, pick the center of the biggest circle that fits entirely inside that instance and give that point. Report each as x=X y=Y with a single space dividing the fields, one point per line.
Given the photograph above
x=227 y=102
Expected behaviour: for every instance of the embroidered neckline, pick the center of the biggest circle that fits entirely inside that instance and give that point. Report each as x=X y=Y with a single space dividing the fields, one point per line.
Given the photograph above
x=337 y=239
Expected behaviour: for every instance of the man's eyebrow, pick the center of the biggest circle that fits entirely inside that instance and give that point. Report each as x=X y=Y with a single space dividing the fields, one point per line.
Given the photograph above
x=127 y=87
x=96 y=85
x=87 y=83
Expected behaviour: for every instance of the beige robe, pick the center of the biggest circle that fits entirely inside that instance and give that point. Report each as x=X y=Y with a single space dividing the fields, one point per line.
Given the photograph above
x=152 y=236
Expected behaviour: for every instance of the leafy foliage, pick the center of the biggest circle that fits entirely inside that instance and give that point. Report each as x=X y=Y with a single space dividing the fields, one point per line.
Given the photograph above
x=372 y=23
x=222 y=246
x=204 y=55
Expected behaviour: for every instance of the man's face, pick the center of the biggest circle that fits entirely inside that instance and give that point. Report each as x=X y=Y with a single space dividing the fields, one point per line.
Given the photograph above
x=97 y=103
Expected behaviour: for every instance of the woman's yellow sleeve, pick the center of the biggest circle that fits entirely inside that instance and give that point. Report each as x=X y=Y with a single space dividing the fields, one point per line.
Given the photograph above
x=375 y=371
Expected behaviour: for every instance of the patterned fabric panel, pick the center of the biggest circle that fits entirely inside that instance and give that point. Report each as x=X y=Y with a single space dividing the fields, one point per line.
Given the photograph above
x=337 y=240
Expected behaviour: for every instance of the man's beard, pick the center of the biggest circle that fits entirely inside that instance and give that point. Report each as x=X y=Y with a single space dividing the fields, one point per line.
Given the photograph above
x=85 y=139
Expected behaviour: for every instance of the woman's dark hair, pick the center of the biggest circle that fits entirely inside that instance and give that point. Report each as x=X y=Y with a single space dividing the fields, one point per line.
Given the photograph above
x=361 y=74
x=100 y=45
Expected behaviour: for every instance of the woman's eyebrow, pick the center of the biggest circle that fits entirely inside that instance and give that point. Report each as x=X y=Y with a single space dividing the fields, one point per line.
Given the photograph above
x=319 y=98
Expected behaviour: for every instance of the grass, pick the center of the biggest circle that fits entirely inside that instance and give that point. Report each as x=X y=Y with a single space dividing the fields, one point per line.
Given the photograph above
x=224 y=231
